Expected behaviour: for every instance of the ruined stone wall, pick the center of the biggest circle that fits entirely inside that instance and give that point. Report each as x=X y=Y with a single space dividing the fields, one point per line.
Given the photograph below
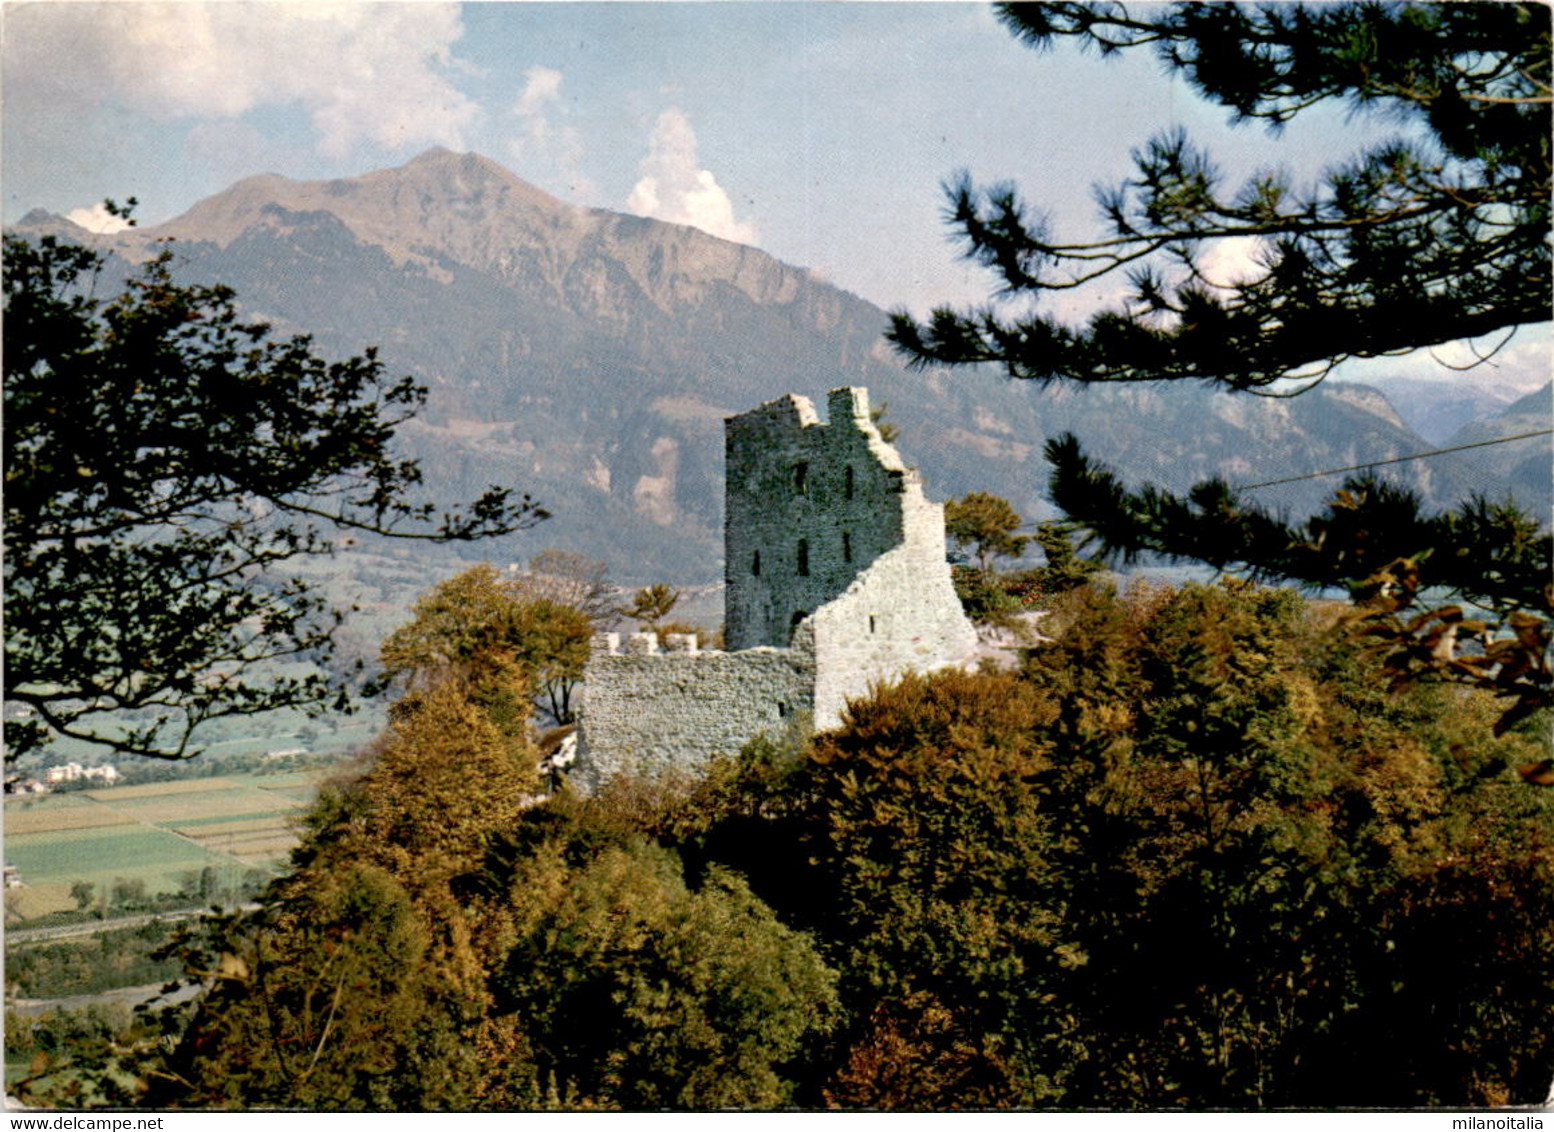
x=900 y=615
x=836 y=578
x=809 y=506
x=646 y=711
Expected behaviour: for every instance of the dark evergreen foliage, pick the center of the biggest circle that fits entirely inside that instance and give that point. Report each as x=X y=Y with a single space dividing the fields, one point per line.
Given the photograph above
x=1439 y=235
x=1374 y=542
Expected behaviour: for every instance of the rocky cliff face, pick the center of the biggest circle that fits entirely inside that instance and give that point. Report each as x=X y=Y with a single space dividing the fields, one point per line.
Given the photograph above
x=1521 y=469
x=590 y=358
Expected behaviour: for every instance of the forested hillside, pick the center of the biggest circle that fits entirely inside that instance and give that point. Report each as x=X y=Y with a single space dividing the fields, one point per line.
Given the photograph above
x=1191 y=854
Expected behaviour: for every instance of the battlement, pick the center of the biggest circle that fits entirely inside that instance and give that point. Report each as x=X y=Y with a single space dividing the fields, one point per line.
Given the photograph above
x=652 y=711
x=645 y=644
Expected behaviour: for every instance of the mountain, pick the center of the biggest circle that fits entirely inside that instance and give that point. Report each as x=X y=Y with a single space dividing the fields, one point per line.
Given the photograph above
x=1436 y=410
x=589 y=358
x=1519 y=469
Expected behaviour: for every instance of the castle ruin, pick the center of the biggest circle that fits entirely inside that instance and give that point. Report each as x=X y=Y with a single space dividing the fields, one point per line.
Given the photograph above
x=836 y=579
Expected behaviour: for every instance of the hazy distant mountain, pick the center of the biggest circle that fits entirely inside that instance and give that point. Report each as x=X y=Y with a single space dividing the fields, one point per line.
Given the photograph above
x=1438 y=409
x=590 y=358
x=1520 y=469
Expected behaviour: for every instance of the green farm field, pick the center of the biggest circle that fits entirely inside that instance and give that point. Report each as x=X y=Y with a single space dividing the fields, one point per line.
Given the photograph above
x=157 y=833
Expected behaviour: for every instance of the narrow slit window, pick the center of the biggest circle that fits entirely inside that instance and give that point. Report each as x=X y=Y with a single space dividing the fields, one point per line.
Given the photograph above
x=803 y=558
x=847 y=481
x=782 y=710
x=801 y=477
x=871 y=623
x=847 y=547
x=755 y=564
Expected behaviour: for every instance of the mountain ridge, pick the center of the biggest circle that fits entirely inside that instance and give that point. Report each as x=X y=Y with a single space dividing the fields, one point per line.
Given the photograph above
x=468 y=208
x=589 y=357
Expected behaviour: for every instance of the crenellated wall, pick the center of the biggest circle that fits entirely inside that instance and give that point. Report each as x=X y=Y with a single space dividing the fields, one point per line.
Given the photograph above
x=646 y=711
x=836 y=578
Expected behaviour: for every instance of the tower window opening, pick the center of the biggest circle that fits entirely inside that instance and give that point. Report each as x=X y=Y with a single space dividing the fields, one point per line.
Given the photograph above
x=755 y=564
x=847 y=547
x=782 y=710
x=801 y=477
x=871 y=623
x=803 y=558
x=847 y=481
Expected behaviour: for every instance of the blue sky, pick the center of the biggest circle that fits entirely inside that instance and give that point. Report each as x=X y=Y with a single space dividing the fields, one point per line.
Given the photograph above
x=817 y=131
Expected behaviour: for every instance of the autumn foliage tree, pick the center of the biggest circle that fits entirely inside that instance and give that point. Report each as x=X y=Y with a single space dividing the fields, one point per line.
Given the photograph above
x=1192 y=857
x=447 y=938
x=485 y=628
x=1192 y=854
x=165 y=462
x=359 y=984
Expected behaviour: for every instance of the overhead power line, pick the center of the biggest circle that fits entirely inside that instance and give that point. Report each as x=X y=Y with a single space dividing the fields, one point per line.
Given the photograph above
x=1397 y=460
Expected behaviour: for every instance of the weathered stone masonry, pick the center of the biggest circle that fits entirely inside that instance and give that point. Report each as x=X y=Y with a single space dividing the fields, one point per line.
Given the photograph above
x=835 y=579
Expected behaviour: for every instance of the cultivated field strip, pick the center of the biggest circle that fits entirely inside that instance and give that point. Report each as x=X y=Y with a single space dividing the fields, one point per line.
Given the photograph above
x=216 y=827
x=175 y=809
x=158 y=833
x=121 y=794
x=133 y=852
x=259 y=850
x=56 y=820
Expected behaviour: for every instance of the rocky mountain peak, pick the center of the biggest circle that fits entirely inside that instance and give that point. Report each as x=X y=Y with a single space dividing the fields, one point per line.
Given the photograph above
x=44 y=219
x=441 y=205
x=468 y=178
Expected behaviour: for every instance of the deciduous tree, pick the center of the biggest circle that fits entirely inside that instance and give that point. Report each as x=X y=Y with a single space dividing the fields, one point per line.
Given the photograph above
x=361 y=982
x=987 y=523
x=568 y=578
x=1190 y=857
x=483 y=627
x=165 y=460
x=640 y=992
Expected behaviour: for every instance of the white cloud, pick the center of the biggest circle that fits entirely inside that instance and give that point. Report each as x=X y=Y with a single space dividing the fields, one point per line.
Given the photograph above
x=542 y=89
x=363 y=72
x=1231 y=260
x=674 y=187
x=544 y=140
x=538 y=109
x=97 y=219
x=1515 y=360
